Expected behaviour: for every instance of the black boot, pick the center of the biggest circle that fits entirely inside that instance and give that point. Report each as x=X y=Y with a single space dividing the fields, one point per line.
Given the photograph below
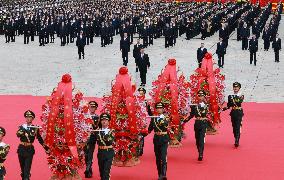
x=164 y=172
x=237 y=142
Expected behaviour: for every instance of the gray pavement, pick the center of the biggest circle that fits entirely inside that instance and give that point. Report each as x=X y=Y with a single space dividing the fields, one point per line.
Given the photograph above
x=34 y=70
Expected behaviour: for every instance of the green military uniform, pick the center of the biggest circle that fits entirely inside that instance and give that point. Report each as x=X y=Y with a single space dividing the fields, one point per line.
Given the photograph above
x=90 y=147
x=105 y=139
x=161 y=141
x=235 y=103
x=4 y=149
x=26 y=149
x=200 y=112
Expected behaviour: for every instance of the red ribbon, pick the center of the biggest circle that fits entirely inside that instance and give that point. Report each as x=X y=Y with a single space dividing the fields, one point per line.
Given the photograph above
x=64 y=90
x=207 y=72
x=169 y=76
x=123 y=89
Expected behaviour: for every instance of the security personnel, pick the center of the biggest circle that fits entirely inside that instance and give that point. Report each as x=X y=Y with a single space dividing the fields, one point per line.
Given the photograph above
x=27 y=134
x=90 y=147
x=200 y=54
x=125 y=48
x=105 y=139
x=4 y=150
x=221 y=51
x=200 y=112
x=276 y=45
x=161 y=139
x=136 y=52
x=80 y=43
x=253 y=48
x=235 y=103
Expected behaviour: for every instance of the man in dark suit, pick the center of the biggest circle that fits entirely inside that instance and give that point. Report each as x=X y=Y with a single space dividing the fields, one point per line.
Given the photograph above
x=125 y=48
x=143 y=65
x=200 y=54
x=221 y=51
x=266 y=38
x=136 y=52
x=245 y=33
x=276 y=45
x=80 y=43
x=253 y=48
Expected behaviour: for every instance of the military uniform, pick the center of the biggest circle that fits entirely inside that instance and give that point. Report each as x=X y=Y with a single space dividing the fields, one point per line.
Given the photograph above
x=26 y=149
x=4 y=150
x=200 y=112
x=105 y=139
x=160 y=141
x=90 y=147
x=235 y=103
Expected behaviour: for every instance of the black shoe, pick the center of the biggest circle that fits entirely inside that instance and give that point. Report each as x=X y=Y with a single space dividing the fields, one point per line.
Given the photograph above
x=200 y=158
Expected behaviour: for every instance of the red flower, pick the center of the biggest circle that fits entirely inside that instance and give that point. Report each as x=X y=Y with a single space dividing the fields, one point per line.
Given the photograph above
x=123 y=70
x=66 y=78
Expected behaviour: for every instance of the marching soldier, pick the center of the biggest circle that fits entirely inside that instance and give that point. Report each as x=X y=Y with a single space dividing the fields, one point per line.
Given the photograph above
x=161 y=139
x=235 y=103
x=90 y=148
x=4 y=150
x=27 y=134
x=277 y=47
x=105 y=139
x=200 y=112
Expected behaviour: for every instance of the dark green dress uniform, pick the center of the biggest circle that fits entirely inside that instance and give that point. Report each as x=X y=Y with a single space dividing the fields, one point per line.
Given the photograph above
x=4 y=149
x=90 y=147
x=105 y=139
x=200 y=112
x=160 y=141
x=26 y=149
x=235 y=103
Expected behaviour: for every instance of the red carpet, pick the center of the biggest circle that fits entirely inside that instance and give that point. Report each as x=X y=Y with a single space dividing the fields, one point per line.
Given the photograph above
x=260 y=155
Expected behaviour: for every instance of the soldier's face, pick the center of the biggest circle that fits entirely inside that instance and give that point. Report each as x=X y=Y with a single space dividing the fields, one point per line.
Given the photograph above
x=160 y=110
x=201 y=97
x=236 y=89
x=93 y=109
x=141 y=93
x=104 y=123
x=29 y=120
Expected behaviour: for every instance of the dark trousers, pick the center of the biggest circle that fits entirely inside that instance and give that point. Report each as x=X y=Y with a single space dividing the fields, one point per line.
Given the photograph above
x=52 y=38
x=253 y=57
x=41 y=40
x=105 y=158
x=143 y=77
x=145 y=41
x=26 y=164
x=199 y=63
x=89 y=153
x=124 y=57
x=26 y=39
x=103 y=41
x=7 y=37
x=266 y=44
x=236 y=119
x=141 y=146
x=244 y=44
x=220 y=60
x=63 y=40
x=276 y=56
x=81 y=52
x=161 y=151
x=2 y=172
x=200 y=130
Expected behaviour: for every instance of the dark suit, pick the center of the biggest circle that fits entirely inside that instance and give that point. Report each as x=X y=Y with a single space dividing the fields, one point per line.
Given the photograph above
x=266 y=39
x=136 y=53
x=200 y=55
x=253 y=48
x=80 y=43
x=276 y=45
x=245 y=33
x=143 y=64
x=221 y=51
x=125 y=48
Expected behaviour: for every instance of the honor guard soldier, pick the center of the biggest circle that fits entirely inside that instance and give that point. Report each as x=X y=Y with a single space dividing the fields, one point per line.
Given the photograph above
x=90 y=147
x=200 y=111
x=161 y=139
x=235 y=103
x=105 y=140
x=4 y=150
x=27 y=134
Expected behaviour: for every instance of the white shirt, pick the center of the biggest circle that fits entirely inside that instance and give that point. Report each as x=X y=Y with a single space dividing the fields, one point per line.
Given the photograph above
x=106 y=130
x=2 y=144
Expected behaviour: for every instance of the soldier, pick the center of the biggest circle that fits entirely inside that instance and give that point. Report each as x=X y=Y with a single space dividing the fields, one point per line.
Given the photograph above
x=221 y=51
x=235 y=102
x=136 y=52
x=276 y=45
x=125 y=48
x=253 y=48
x=143 y=65
x=200 y=54
x=27 y=134
x=200 y=112
x=161 y=139
x=105 y=139
x=80 y=43
x=90 y=147
x=4 y=150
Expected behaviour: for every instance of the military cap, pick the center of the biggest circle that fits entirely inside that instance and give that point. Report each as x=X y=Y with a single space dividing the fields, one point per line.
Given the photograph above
x=237 y=84
x=159 y=105
x=29 y=113
x=201 y=93
x=93 y=104
x=105 y=116
x=2 y=131
x=142 y=89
